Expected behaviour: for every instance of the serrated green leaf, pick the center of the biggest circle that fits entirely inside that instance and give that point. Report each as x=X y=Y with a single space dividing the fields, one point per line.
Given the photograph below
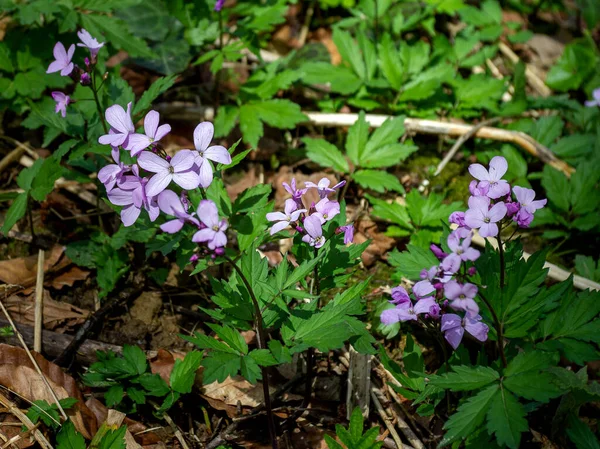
x=69 y=438
x=469 y=415
x=225 y=120
x=114 y=395
x=158 y=87
x=230 y=336
x=219 y=365
x=43 y=183
x=15 y=212
x=325 y=154
x=466 y=378
x=113 y=439
x=378 y=180
x=356 y=140
x=529 y=361
x=393 y=212
x=390 y=62
x=349 y=51
x=250 y=125
x=184 y=372
x=263 y=357
x=506 y=419
x=581 y=435
x=136 y=359
x=533 y=385
x=154 y=384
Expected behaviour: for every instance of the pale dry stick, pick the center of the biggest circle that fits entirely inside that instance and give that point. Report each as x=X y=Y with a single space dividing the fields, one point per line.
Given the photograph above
x=12 y=408
x=11 y=157
x=33 y=404
x=33 y=361
x=460 y=141
x=403 y=425
x=176 y=431
x=386 y=420
x=554 y=272
x=533 y=79
x=13 y=441
x=449 y=129
x=39 y=303
x=304 y=31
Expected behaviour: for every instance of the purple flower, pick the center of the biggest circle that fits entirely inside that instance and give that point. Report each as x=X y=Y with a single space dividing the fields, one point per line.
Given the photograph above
x=89 y=42
x=596 y=100
x=292 y=213
x=133 y=196
x=178 y=170
x=399 y=295
x=450 y=265
x=457 y=218
x=85 y=79
x=477 y=190
x=512 y=207
x=326 y=210
x=203 y=135
x=525 y=197
x=323 y=187
x=454 y=328
x=296 y=193
x=153 y=133
x=121 y=126
x=434 y=311
x=219 y=5
x=348 y=233
x=62 y=61
x=170 y=203
x=113 y=173
x=523 y=218
x=462 y=249
x=497 y=187
x=481 y=216
x=62 y=101
x=214 y=233
x=437 y=251
x=407 y=311
x=462 y=297
x=314 y=232
x=423 y=290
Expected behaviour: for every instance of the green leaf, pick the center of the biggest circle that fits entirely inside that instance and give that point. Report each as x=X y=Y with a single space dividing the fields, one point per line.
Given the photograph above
x=533 y=385
x=393 y=212
x=115 y=31
x=154 y=384
x=136 y=395
x=529 y=361
x=390 y=62
x=250 y=125
x=341 y=79
x=230 y=336
x=357 y=139
x=325 y=154
x=114 y=395
x=428 y=210
x=252 y=198
x=225 y=120
x=158 y=87
x=113 y=439
x=506 y=419
x=263 y=357
x=581 y=435
x=184 y=372
x=15 y=212
x=466 y=378
x=573 y=67
x=136 y=359
x=43 y=183
x=469 y=415
x=69 y=438
x=410 y=263
x=378 y=180
x=219 y=365
x=350 y=52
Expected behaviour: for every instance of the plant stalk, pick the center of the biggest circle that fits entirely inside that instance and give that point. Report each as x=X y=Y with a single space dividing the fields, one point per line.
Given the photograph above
x=262 y=344
x=97 y=101
x=501 y=253
x=498 y=327
x=310 y=354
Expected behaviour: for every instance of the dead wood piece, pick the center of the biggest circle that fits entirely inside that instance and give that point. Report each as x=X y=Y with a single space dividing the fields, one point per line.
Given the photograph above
x=450 y=129
x=532 y=78
x=359 y=382
x=12 y=408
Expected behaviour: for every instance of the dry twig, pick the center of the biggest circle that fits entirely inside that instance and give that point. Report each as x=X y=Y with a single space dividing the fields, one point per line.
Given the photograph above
x=39 y=303
x=12 y=408
x=386 y=420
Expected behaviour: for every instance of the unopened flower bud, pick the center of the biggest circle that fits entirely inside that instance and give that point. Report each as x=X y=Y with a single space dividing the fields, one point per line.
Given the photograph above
x=471 y=271
x=194 y=258
x=85 y=79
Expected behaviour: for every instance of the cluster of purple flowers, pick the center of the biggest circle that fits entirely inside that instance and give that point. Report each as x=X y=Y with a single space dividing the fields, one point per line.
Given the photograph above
x=310 y=221
x=444 y=288
x=127 y=186
x=63 y=63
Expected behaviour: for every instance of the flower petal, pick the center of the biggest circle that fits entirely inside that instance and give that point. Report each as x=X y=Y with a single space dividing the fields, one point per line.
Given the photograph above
x=478 y=171
x=276 y=216
x=218 y=153
x=205 y=173
x=208 y=213
x=452 y=289
x=183 y=160
x=497 y=212
x=187 y=180
x=129 y=215
x=136 y=143
x=279 y=226
x=153 y=163
x=120 y=197
x=162 y=131
x=204 y=235
x=203 y=135
x=158 y=183
x=498 y=167
x=172 y=226
x=119 y=119
x=151 y=123
x=169 y=203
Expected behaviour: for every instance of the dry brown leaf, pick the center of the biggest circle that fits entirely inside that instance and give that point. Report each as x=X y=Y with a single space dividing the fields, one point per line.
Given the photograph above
x=367 y=229
x=69 y=277
x=19 y=375
x=22 y=271
x=56 y=314
x=10 y=427
x=231 y=393
x=162 y=363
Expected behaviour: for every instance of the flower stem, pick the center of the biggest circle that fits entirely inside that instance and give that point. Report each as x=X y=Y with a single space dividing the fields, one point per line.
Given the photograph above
x=262 y=344
x=501 y=253
x=97 y=101
x=498 y=327
x=310 y=354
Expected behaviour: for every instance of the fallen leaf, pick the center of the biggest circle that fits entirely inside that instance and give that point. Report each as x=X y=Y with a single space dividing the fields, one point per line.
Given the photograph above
x=10 y=427
x=56 y=314
x=23 y=270
x=69 y=277
x=380 y=243
x=18 y=374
